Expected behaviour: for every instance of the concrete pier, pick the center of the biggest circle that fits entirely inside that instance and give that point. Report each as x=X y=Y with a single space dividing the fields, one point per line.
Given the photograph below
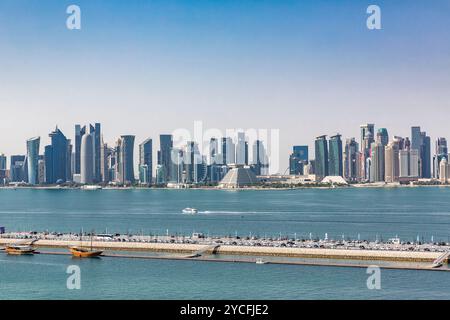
x=323 y=253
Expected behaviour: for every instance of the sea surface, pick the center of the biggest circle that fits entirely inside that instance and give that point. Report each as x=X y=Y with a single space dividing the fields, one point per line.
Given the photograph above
x=366 y=213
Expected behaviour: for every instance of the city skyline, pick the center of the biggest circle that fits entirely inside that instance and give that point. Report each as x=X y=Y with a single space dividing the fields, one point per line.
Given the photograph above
x=380 y=156
x=163 y=66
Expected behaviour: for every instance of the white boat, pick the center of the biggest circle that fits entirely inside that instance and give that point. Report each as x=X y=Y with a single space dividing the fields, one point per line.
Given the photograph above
x=190 y=210
x=260 y=261
x=91 y=187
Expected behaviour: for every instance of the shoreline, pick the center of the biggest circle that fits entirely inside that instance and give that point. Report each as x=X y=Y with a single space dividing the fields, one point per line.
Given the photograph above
x=254 y=188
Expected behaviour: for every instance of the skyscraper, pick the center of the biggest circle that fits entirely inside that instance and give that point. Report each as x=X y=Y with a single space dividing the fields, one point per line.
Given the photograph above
x=18 y=169
x=87 y=159
x=351 y=160
x=260 y=161
x=441 y=151
x=2 y=162
x=176 y=170
x=193 y=164
x=367 y=138
x=391 y=161
x=213 y=151
x=335 y=163
x=164 y=155
x=105 y=154
x=33 y=159
x=366 y=128
x=228 y=151
x=422 y=143
x=241 y=152
x=146 y=162
x=97 y=144
x=79 y=132
x=95 y=132
x=126 y=162
x=415 y=138
x=321 y=161
x=57 y=160
x=377 y=163
x=425 y=155
x=409 y=163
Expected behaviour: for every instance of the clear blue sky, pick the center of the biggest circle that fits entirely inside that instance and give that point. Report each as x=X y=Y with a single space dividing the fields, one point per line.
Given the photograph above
x=149 y=67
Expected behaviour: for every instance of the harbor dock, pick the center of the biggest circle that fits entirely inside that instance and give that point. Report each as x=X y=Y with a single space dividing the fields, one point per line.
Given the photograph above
x=244 y=250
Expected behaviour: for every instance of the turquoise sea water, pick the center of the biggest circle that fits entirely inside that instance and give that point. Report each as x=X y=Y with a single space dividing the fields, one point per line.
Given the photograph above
x=368 y=212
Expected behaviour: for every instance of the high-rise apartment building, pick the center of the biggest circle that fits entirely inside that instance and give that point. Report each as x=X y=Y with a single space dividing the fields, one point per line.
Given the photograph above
x=321 y=161
x=377 y=162
x=57 y=158
x=335 y=162
x=87 y=159
x=391 y=161
x=352 y=160
x=125 y=163
x=32 y=160
x=164 y=156
x=146 y=162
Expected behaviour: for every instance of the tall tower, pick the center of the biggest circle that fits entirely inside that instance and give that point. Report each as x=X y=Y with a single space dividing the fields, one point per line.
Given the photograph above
x=57 y=161
x=365 y=128
x=164 y=155
x=126 y=164
x=321 y=161
x=79 y=132
x=335 y=163
x=377 y=157
x=33 y=159
x=351 y=160
x=213 y=150
x=425 y=155
x=87 y=159
x=146 y=162
x=241 y=149
x=391 y=161
x=415 y=138
x=441 y=152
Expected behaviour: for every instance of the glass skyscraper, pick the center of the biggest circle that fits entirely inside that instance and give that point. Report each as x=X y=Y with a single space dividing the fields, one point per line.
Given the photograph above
x=335 y=163
x=33 y=159
x=126 y=162
x=79 y=132
x=415 y=138
x=146 y=162
x=164 y=155
x=425 y=155
x=321 y=161
x=351 y=160
x=2 y=162
x=57 y=159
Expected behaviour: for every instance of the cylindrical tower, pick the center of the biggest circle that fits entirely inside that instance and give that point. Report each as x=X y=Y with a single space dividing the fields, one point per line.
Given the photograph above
x=87 y=159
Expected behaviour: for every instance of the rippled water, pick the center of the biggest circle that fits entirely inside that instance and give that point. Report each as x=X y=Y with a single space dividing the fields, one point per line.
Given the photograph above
x=408 y=212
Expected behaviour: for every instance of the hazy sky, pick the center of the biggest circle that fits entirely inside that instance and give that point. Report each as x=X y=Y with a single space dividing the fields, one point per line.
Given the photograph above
x=148 y=67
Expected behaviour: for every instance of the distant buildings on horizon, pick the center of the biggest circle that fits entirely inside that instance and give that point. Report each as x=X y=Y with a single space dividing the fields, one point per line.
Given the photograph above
x=376 y=158
x=91 y=161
